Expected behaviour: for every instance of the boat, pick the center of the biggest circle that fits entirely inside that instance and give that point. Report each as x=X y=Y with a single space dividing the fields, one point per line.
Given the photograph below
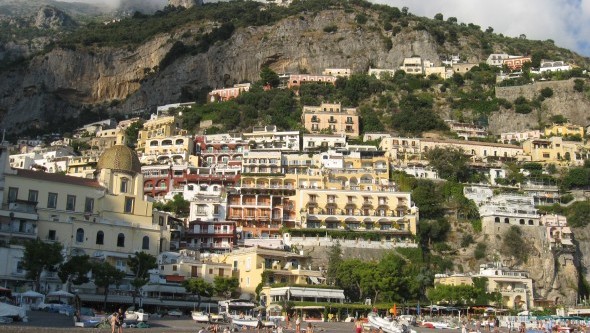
x=436 y=324
x=387 y=325
x=251 y=322
x=201 y=316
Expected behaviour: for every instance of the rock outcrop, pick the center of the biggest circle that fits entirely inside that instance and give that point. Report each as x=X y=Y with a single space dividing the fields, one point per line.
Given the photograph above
x=52 y=18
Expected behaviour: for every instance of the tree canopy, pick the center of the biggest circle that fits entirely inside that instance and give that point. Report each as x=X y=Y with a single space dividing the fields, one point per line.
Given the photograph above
x=39 y=256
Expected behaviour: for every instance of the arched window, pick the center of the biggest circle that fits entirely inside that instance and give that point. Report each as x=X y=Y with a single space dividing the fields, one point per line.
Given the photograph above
x=521 y=221
x=80 y=235
x=497 y=220
x=124 y=185
x=121 y=240
x=145 y=243
x=100 y=238
x=506 y=220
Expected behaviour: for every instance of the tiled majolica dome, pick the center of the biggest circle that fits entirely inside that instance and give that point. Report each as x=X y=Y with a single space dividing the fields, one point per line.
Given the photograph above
x=119 y=158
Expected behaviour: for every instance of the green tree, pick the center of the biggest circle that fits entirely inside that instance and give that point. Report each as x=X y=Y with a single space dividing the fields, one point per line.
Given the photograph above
x=39 y=256
x=514 y=245
x=132 y=132
x=198 y=287
x=106 y=275
x=439 y=17
x=225 y=286
x=450 y=163
x=427 y=196
x=140 y=264
x=576 y=178
x=334 y=261
x=268 y=76
x=178 y=205
x=480 y=251
x=578 y=214
x=75 y=270
x=433 y=231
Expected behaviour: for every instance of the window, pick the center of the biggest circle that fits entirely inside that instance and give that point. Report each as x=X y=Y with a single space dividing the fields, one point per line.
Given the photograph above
x=129 y=205
x=121 y=265
x=89 y=205
x=248 y=264
x=145 y=243
x=80 y=235
x=174 y=268
x=12 y=194
x=71 y=202
x=121 y=240
x=33 y=195
x=506 y=220
x=52 y=235
x=100 y=238
x=52 y=200
x=124 y=185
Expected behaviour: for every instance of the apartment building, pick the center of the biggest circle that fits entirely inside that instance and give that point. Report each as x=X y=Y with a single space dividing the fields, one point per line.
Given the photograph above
x=515 y=286
x=315 y=142
x=389 y=212
x=221 y=149
x=332 y=117
x=505 y=210
x=381 y=73
x=557 y=151
x=478 y=151
x=343 y=72
x=159 y=127
x=296 y=80
x=167 y=180
x=511 y=137
x=515 y=63
x=226 y=94
x=564 y=130
x=261 y=205
x=283 y=267
x=558 y=234
x=466 y=130
x=211 y=236
x=176 y=149
x=269 y=138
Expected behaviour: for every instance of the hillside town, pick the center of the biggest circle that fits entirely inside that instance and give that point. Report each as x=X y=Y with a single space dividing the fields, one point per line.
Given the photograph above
x=252 y=207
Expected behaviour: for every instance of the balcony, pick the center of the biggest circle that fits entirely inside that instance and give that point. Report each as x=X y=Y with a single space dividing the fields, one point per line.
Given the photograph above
x=332 y=121
x=349 y=121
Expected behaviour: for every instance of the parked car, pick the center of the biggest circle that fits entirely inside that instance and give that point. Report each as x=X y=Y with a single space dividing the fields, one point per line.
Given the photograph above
x=175 y=312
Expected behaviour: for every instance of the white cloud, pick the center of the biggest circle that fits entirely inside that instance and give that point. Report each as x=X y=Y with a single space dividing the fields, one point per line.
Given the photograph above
x=567 y=22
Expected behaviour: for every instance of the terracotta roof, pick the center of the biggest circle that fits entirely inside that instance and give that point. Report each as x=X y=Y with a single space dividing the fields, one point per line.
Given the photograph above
x=58 y=178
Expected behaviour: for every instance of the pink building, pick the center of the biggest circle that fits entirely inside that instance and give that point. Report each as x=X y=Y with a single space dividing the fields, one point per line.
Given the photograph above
x=225 y=94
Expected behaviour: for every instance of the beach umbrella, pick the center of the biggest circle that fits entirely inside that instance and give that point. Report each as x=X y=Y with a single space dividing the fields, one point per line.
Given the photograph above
x=393 y=310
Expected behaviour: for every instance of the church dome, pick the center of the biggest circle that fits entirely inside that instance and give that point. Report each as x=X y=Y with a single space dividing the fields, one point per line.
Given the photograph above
x=119 y=158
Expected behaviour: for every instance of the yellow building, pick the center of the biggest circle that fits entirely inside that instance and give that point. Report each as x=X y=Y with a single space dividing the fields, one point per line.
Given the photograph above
x=159 y=127
x=564 y=130
x=177 y=149
x=105 y=218
x=333 y=117
x=282 y=267
x=107 y=138
x=386 y=211
x=557 y=151
x=453 y=280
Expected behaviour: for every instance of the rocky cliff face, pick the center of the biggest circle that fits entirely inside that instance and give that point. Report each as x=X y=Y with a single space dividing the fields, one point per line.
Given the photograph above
x=59 y=82
x=565 y=101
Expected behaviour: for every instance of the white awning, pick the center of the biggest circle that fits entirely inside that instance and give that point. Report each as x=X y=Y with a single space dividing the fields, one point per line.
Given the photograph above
x=317 y=293
x=314 y=280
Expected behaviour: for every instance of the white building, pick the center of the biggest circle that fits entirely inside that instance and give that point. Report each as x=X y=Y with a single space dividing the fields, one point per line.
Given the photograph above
x=553 y=66
x=496 y=59
x=268 y=138
x=344 y=72
x=52 y=159
x=378 y=72
x=509 y=137
x=323 y=141
x=507 y=210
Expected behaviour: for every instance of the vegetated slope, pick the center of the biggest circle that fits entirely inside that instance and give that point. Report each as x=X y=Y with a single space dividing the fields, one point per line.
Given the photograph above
x=144 y=61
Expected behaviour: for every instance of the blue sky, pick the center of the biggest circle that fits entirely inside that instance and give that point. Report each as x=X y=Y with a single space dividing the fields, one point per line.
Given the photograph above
x=567 y=22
